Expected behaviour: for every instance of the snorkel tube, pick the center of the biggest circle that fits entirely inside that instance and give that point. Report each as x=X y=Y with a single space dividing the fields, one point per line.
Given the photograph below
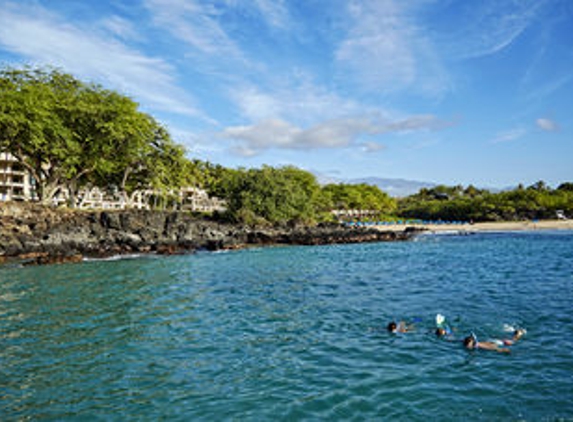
x=475 y=340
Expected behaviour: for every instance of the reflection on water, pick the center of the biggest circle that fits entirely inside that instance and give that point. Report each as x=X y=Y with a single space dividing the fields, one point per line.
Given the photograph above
x=292 y=333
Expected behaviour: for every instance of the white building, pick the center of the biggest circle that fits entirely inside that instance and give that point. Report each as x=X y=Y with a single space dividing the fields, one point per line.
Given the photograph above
x=16 y=184
x=198 y=200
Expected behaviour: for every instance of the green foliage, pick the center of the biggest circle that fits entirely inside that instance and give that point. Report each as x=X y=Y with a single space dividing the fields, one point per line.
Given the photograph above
x=68 y=133
x=359 y=197
x=537 y=201
x=274 y=195
x=567 y=187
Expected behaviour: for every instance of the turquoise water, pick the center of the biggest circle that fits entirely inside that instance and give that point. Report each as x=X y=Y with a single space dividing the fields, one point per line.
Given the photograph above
x=293 y=333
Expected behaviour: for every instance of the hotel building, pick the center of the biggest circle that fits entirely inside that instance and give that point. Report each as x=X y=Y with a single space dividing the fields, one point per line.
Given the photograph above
x=16 y=184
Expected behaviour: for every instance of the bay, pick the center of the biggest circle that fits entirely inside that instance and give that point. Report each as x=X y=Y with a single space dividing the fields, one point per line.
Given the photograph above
x=293 y=333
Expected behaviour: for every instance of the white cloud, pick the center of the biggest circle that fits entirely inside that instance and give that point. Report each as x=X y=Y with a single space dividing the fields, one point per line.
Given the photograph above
x=121 y=28
x=386 y=51
x=548 y=87
x=371 y=146
x=489 y=26
x=378 y=45
x=547 y=125
x=195 y=23
x=331 y=134
x=509 y=136
x=195 y=144
x=293 y=100
x=274 y=12
x=42 y=37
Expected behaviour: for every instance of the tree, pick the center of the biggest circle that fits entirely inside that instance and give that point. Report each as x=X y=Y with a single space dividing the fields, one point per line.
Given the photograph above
x=67 y=133
x=566 y=187
x=359 y=197
x=274 y=195
x=30 y=128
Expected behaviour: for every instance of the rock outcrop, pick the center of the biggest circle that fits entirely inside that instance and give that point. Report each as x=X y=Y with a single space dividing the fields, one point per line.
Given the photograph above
x=37 y=234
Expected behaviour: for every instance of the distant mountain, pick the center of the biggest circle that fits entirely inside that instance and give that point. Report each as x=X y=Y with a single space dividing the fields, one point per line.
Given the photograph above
x=394 y=187
x=401 y=187
x=398 y=188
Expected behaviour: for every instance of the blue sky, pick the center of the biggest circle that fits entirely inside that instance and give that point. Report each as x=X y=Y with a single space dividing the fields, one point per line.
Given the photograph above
x=445 y=91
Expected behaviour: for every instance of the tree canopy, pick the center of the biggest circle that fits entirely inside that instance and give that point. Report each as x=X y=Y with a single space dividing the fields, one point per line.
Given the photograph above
x=360 y=196
x=68 y=133
x=537 y=201
x=275 y=195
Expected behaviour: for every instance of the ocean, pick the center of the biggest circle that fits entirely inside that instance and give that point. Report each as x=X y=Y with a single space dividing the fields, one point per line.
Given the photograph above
x=294 y=333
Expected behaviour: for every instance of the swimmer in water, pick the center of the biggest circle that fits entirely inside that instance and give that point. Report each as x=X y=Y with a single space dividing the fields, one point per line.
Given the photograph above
x=471 y=342
x=517 y=335
x=443 y=332
x=442 y=327
x=400 y=327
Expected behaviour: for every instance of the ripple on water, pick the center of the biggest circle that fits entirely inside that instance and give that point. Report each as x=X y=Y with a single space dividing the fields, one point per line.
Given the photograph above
x=293 y=333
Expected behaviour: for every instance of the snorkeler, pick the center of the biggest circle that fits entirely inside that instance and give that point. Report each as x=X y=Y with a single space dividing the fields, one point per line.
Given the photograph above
x=444 y=332
x=471 y=342
x=400 y=327
x=443 y=329
x=517 y=335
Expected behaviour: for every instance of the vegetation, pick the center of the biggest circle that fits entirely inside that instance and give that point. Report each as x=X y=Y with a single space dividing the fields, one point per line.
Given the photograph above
x=274 y=195
x=69 y=134
x=370 y=200
x=537 y=201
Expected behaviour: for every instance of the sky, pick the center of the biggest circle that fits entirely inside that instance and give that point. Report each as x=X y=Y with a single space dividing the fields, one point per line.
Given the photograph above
x=443 y=91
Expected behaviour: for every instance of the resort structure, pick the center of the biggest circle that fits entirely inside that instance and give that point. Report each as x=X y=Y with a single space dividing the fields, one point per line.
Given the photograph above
x=17 y=184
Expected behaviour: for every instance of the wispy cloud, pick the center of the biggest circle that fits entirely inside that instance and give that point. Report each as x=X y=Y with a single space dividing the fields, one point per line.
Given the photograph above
x=371 y=146
x=196 y=23
x=515 y=134
x=509 y=135
x=489 y=26
x=549 y=86
x=274 y=12
x=331 y=134
x=386 y=52
x=41 y=36
x=121 y=28
x=299 y=100
x=547 y=125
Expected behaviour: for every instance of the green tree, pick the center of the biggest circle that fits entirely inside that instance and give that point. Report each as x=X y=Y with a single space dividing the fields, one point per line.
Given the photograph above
x=359 y=197
x=273 y=195
x=566 y=187
x=32 y=131
x=67 y=133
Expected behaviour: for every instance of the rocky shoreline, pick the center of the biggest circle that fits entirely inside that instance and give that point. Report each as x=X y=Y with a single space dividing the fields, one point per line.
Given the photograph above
x=35 y=234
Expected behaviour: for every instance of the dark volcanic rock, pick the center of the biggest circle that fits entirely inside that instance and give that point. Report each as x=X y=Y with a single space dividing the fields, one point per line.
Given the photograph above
x=43 y=235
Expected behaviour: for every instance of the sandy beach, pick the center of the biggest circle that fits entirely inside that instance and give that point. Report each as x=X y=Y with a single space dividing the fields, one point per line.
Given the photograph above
x=490 y=226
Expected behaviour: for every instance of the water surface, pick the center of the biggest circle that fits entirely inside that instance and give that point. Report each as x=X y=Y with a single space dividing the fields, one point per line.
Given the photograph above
x=293 y=333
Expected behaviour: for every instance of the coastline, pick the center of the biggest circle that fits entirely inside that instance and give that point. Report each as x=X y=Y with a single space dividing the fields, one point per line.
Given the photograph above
x=35 y=234
x=494 y=226
x=42 y=235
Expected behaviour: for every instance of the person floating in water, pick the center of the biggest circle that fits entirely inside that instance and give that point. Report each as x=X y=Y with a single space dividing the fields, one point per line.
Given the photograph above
x=517 y=335
x=400 y=327
x=444 y=332
x=443 y=329
x=471 y=342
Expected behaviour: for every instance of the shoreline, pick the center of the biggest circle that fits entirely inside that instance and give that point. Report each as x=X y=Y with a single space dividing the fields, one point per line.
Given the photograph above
x=496 y=226
x=41 y=235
